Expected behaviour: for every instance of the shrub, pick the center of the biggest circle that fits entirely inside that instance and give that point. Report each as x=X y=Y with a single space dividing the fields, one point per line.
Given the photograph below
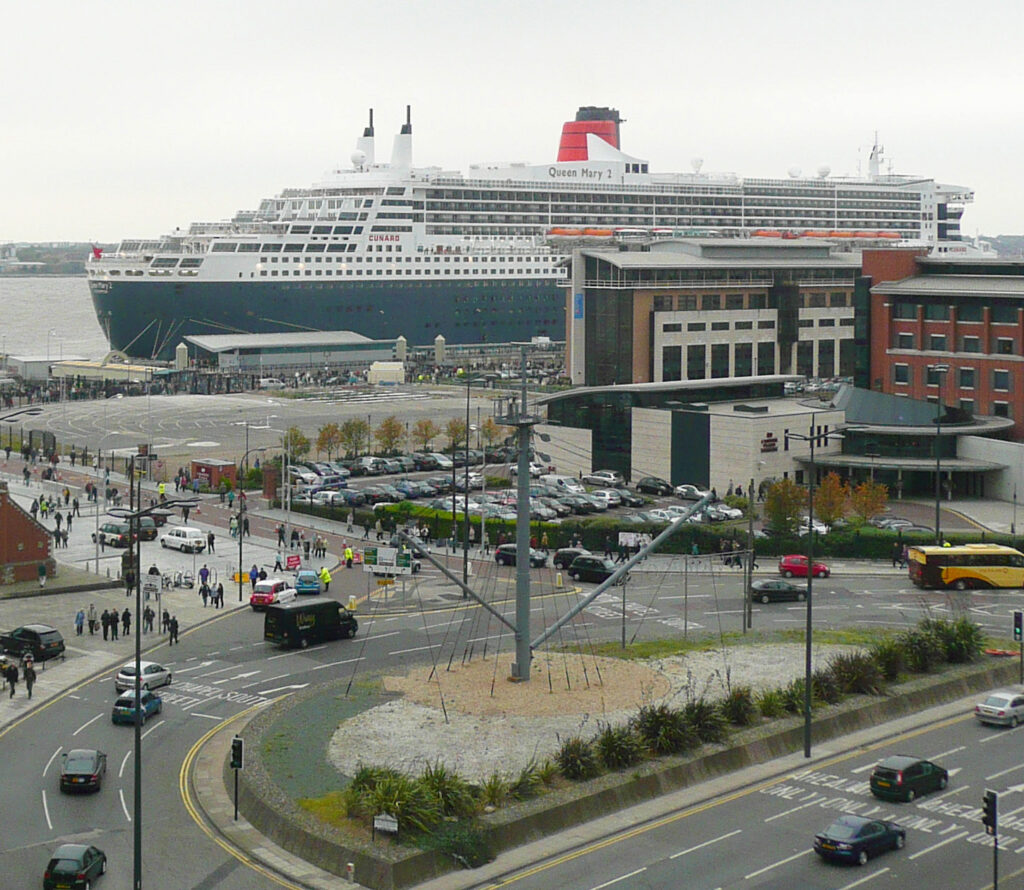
x=738 y=706
x=663 y=729
x=364 y=781
x=922 y=650
x=771 y=703
x=961 y=640
x=466 y=844
x=577 y=760
x=405 y=799
x=793 y=696
x=547 y=772
x=494 y=790
x=618 y=747
x=824 y=687
x=453 y=793
x=857 y=673
x=527 y=783
x=705 y=720
x=888 y=655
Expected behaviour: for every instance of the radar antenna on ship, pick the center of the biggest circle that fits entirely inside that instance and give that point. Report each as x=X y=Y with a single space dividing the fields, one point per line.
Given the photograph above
x=875 y=159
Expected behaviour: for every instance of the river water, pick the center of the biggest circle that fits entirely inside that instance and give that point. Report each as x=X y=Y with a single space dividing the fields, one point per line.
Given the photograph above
x=49 y=314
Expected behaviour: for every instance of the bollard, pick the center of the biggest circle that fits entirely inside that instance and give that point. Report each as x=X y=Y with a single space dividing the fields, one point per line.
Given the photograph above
x=469 y=569
x=558 y=579
x=350 y=872
x=351 y=604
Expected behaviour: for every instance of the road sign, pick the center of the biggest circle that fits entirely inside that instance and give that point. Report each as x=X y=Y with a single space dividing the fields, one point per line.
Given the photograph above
x=387 y=559
x=384 y=582
x=292 y=561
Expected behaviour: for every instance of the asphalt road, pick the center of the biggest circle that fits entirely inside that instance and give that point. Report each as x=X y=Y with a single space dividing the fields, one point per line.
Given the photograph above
x=760 y=836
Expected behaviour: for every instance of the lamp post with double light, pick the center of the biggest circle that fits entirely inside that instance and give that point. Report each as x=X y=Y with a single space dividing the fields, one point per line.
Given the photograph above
x=240 y=519
x=939 y=371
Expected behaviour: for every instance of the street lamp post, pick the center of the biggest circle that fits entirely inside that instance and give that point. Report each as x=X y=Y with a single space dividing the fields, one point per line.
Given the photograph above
x=812 y=438
x=133 y=517
x=938 y=371
x=241 y=508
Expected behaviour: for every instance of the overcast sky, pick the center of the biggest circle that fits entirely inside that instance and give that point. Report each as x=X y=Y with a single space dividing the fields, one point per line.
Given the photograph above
x=126 y=119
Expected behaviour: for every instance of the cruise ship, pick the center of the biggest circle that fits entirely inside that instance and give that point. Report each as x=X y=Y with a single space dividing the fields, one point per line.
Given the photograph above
x=387 y=249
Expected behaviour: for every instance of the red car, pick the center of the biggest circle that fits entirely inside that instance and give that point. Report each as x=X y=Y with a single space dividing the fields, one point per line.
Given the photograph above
x=796 y=566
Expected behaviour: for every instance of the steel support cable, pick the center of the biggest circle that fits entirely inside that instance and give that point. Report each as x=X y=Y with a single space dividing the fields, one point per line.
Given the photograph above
x=663 y=575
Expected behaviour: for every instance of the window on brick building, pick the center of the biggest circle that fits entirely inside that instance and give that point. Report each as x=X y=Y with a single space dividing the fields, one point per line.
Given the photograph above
x=967 y=405
x=936 y=311
x=1003 y=346
x=1001 y=409
x=904 y=341
x=937 y=342
x=1004 y=313
x=970 y=344
x=966 y=378
x=901 y=373
x=1001 y=381
x=969 y=312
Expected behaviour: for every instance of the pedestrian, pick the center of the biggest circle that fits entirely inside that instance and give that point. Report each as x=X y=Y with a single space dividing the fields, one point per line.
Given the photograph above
x=294 y=539
x=74 y=507
x=544 y=543
x=349 y=556
x=147 y=619
x=173 y=627
x=607 y=546
x=366 y=530
x=211 y=542
x=220 y=595
x=11 y=676
x=79 y=622
x=165 y=620
x=279 y=528
x=204 y=592
x=254 y=575
x=204 y=575
x=129 y=582
x=263 y=574
x=377 y=528
x=897 y=555
x=231 y=499
x=348 y=521
x=242 y=503
x=325 y=578
x=105 y=621
x=103 y=542
x=34 y=508
x=58 y=519
x=91 y=618
x=30 y=676
x=184 y=513
x=245 y=526
x=278 y=566
x=126 y=622
x=903 y=557
x=305 y=545
x=67 y=520
x=114 y=623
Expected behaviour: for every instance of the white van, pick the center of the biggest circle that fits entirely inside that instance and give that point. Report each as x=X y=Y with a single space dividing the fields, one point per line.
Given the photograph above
x=566 y=483
x=271 y=383
x=185 y=539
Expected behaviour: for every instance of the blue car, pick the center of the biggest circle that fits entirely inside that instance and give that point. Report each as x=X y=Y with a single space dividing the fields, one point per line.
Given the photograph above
x=307 y=581
x=409 y=489
x=124 y=707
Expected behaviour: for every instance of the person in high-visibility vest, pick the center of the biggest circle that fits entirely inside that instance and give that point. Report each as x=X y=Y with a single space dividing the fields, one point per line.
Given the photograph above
x=161 y=488
x=325 y=578
x=348 y=557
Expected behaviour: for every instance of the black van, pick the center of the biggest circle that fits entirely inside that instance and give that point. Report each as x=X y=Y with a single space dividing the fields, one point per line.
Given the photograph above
x=301 y=622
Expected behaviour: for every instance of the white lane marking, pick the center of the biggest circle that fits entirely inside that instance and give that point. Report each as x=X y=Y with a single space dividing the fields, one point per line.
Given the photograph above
x=870 y=877
x=124 y=763
x=282 y=688
x=195 y=667
x=390 y=633
x=230 y=667
x=244 y=676
x=813 y=803
x=948 y=753
x=207 y=716
x=124 y=805
x=864 y=769
x=620 y=878
x=84 y=725
x=320 y=667
x=267 y=680
x=46 y=812
x=1004 y=772
x=48 y=762
x=714 y=840
x=154 y=726
x=948 y=840
x=994 y=737
x=417 y=649
x=296 y=652
x=761 y=871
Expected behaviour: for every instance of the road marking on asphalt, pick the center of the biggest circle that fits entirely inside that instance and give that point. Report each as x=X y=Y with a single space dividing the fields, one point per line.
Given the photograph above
x=948 y=753
x=124 y=763
x=320 y=667
x=817 y=799
x=620 y=878
x=283 y=688
x=948 y=840
x=296 y=652
x=124 y=805
x=714 y=840
x=195 y=667
x=417 y=649
x=236 y=677
x=219 y=670
x=266 y=680
x=53 y=757
x=864 y=880
x=84 y=725
x=761 y=871
x=46 y=812
x=152 y=728
x=207 y=716
x=996 y=736
x=1011 y=769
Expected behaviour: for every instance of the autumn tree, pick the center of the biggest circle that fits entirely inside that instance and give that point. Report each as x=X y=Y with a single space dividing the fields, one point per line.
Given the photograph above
x=328 y=440
x=455 y=431
x=295 y=443
x=389 y=435
x=830 y=498
x=355 y=437
x=424 y=432
x=868 y=499
x=492 y=431
x=783 y=502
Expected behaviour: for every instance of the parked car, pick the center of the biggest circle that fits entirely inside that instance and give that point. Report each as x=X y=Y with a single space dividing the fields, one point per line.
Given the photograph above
x=423 y=461
x=270 y=592
x=82 y=769
x=591 y=568
x=605 y=478
x=307 y=582
x=125 y=707
x=114 y=534
x=795 y=566
x=581 y=504
x=1004 y=707
x=904 y=778
x=153 y=676
x=771 y=590
x=857 y=839
x=409 y=488
x=690 y=492
x=505 y=555
x=74 y=866
x=609 y=495
x=39 y=640
x=653 y=485
x=184 y=538
x=536 y=470
x=565 y=555
x=722 y=512
x=628 y=498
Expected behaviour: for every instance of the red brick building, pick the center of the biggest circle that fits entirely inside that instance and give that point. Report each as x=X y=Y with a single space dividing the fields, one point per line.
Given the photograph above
x=24 y=543
x=959 y=312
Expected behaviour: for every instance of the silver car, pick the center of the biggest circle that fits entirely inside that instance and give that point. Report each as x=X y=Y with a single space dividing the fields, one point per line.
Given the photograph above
x=153 y=676
x=1004 y=707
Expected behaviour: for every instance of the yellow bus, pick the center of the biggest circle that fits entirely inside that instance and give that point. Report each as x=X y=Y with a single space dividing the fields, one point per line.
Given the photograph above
x=970 y=566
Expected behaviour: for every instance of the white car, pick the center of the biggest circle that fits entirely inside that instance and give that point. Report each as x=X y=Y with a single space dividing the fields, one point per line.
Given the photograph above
x=608 y=495
x=819 y=527
x=536 y=470
x=690 y=492
x=184 y=538
x=723 y=512
x=605 y=477
x=153 y=676
x=271 y=592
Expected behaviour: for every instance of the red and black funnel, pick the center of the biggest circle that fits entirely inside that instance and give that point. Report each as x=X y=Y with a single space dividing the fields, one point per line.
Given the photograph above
x=603 y=122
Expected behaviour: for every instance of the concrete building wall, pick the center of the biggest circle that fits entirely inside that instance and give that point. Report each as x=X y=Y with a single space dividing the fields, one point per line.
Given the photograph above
x=999 y=486
x=570 y=449
x=652 y=443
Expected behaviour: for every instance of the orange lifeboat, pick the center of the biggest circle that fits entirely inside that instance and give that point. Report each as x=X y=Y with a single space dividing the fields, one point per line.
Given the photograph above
x=564 y=233
x=766 y=233
x=598 y=233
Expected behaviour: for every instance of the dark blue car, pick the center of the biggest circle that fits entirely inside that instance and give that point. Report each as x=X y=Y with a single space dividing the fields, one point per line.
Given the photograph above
x=124 y=707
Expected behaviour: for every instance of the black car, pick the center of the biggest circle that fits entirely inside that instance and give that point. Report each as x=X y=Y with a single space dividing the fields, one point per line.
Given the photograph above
x=441 y=483
x=74 y=866
x=505 y=555
x=773 y=590
x=653 y=485
x=564 y=556
x=425 y=461
x=147 y=528
x=374 y=494
x=856 y=839
x=628 y=498
x=904 y=778
x=82 y=769
x=115 y=534
x=39 y=640
x=591 y=568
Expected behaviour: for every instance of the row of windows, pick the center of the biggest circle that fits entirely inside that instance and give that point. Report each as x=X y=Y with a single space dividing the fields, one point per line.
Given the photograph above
x=1000 y=379
x=939 y=343
x=1000 y=312
x=389 y=270
x=703 y=361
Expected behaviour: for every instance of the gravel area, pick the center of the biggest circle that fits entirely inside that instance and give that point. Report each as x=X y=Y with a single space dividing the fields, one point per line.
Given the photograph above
x=476 y=721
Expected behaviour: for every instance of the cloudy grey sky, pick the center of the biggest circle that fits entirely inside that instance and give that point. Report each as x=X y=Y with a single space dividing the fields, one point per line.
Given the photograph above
x=130 y=118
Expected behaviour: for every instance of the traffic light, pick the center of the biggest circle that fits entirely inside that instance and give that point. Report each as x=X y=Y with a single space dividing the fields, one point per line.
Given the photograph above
x=990 y=805
x=1018 y=626
x=237 y=752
